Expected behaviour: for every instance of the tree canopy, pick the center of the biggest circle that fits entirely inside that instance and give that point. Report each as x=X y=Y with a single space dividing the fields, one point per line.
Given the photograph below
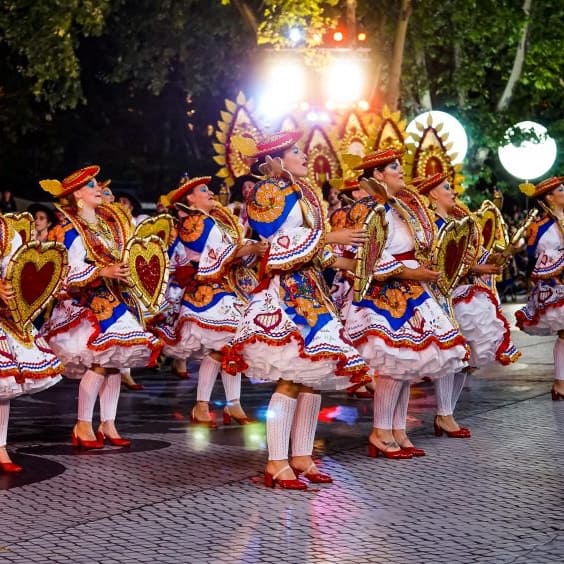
x=138 y=85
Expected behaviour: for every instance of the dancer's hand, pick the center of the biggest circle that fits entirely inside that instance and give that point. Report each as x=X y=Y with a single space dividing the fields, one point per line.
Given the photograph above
x=118 y=271
x=487 y=269
x=421 y=274
x=347 y=237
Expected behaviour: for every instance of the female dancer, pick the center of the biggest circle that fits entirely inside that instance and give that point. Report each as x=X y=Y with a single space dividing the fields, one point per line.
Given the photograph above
x=26 y=367
x=91 y=328
x=476 y=309
x=399 y=329
x=543 y=314
x=290 y=332
x=44 y=220
x=215 y=296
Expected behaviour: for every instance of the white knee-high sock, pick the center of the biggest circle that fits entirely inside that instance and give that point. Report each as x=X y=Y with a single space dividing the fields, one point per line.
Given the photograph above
x=109 y=396
x=559 y=359
x=4 y=417
x=232 y=386
x=305 y=424
x=458 y=384
x=88 y=390
x=207 y=375
x=399 y=420
x=386 y=394
x=443 y=392
x=279 y=420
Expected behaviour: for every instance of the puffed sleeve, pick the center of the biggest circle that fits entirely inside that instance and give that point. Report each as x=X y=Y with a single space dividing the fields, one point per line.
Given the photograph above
x=275 y=214
x=215 y=250
x=81 y=271
x=549 y=253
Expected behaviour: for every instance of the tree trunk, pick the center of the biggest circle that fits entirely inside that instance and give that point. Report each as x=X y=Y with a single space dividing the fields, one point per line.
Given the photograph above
x=517 y=69
x=425 y=94
x=397 y=57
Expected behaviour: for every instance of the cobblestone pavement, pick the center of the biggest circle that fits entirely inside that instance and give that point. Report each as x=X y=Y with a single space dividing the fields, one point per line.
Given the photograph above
x=188 y=495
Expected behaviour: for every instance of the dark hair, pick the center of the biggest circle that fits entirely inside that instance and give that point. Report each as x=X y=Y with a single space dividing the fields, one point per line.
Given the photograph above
x=135 y=203
x=236 y=192
x=326 y=190
x=49 y=212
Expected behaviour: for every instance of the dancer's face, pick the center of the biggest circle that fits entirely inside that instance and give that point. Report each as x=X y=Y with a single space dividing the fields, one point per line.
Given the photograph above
x=443 y=195
x=556 y=198
x=392 y=176
x=90 y=194
x=295 y=162
x=201 y=197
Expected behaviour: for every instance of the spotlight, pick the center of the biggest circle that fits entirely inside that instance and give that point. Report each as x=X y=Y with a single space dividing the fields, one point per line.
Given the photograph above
x=338 y=36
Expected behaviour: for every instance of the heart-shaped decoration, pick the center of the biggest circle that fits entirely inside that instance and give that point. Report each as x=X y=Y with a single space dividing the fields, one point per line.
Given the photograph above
x=161 y=226
x=36 y=272
x=148 y=264
x=21 y=223
x=268 y=321
x=283 y=241
x=453 y=253
x=376 y=228
x=212 y=254
x=492 y=226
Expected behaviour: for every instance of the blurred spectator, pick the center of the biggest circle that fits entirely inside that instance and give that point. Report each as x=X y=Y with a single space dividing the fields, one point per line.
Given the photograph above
x=44 y=220
x=8 y=203
x=331 y=196
x=132 y=205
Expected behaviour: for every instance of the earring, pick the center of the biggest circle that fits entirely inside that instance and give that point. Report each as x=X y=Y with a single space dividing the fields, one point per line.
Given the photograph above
x=79 y=204
x=432 y=205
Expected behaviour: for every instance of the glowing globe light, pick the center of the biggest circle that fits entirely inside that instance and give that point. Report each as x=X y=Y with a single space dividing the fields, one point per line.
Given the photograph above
x=456 y=133
x=529 y=159
x=295 y=35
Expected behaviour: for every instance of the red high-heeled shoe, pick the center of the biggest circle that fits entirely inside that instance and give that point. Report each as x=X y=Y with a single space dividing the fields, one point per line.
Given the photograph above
x=227 y=417
x=414 y=451
x=313 y=477
x=462 y=433
x=556 y=395
x=115 y=441
x=77 y=442
x=134 y=387
x=270 y=480
x=10 y=467
x=182 y=374
x=209 y=423
x=375 y=451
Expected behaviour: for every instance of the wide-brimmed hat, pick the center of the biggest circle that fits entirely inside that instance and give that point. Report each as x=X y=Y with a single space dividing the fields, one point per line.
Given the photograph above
x=266 y=145
x=74 y=181
x=542 y=188
x=178 y=193
x=378 y=159
x=427 y=184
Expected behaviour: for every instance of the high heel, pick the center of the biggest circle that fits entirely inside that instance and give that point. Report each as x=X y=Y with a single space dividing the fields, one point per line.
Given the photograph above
x=77 y=442
x=374 y=452
x=556 y=395
x=10 y=467
x=270 y=480
x=211 y=424
x=462 y=433
x=227 y=417
x=313 y=477
x=414 y=451
x=115 y=441
x=352 y=392
x=134 y=387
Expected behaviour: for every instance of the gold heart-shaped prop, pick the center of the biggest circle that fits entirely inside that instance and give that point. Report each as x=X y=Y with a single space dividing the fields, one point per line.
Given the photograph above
x=36 y=272
x=148 y=264
x=492 y=227
x=21 y=223
x=376 y=228
x=162 y=226
x=453 y=253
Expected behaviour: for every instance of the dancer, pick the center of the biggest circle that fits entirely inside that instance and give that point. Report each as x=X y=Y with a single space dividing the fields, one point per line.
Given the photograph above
x=476 y=309
x=399 y=328
x=543 y=314
x=28 y=365
x=214 y=298
x=91 y=328
x=290 y=333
